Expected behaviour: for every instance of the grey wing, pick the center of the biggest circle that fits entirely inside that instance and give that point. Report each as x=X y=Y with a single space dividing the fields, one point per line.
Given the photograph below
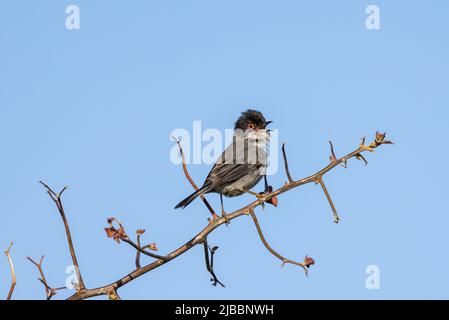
x=226 y=172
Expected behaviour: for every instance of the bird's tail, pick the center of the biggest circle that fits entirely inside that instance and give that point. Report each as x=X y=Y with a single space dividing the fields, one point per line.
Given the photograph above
x=184 y=203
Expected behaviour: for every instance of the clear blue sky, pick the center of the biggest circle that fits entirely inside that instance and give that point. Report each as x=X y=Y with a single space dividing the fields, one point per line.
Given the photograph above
x=93 y=108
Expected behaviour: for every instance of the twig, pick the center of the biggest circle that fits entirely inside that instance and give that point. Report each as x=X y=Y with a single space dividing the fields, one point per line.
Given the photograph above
x=360 y=157
x=210 y=262
x=119 y=234
x=138 y=266
x=329 y=199
x=287 y=171
x=273 y=252
x=49 y=291
x=186 y=172
x=199 y=238
x=142 y=249
x=56 y=197
x=332 y=157
x=41 y=272
x=13 y=273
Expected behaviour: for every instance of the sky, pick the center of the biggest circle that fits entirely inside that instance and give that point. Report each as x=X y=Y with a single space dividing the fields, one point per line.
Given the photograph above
x=94 y=108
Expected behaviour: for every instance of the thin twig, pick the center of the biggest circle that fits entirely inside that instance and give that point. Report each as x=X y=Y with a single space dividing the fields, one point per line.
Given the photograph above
x=329 y=199
x=57 y=199
x=138 y=266
x=271 y=250
x=332 y=157
x=186 y=172
x=13 y=273
x=361 y=157
x=142 y=249
x=41 y=272
x=287 y=171
x=210 y=262
x=49 y=291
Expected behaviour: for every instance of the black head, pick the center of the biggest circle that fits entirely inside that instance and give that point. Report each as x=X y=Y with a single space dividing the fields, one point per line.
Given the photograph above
x=251 y=119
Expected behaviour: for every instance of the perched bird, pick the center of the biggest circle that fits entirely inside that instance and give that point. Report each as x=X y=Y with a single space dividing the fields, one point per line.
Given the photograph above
x=244 y=162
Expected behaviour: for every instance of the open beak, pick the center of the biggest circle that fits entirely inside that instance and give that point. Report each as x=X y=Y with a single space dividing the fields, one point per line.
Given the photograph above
x=267 y=123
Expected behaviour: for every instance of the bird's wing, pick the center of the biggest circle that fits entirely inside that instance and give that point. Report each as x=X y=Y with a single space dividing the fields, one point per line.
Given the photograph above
x=226 y=172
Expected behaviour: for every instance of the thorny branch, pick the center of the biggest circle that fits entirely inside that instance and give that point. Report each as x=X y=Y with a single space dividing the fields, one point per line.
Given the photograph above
x=49 y=291
x=110 y=290
x=210 y=262
x=199 y=238
x=56 y=197
x=119 y=234
x=13 y=273
x=307 y=261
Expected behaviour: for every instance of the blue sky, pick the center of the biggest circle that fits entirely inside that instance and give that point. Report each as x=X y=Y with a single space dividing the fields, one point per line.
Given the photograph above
x=93 y=108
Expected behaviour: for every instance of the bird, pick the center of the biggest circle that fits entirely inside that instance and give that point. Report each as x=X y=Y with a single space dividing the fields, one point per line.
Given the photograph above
x=243 y=163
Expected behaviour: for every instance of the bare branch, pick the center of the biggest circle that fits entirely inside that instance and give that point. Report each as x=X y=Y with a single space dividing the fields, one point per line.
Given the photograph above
x=332 y=157
x=142 y=249
x=119 y=234
x=360 y=157
x=138 y=266
x=329 y=199
x=56 y=197
x=186 y=172
x=287 y=171
x=13 y=273
x=41 y=272
x=210 y=262
x=273 y=252
x=199 y=238
x=113 y=295
x=49 y=291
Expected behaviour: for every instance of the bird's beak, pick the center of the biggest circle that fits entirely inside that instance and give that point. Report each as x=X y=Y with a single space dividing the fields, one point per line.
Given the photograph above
x=267 y=123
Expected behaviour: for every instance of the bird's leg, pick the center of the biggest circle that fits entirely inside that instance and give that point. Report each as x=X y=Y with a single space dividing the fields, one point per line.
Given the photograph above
x=223 y=213
x=265 y=180
x=259 y=196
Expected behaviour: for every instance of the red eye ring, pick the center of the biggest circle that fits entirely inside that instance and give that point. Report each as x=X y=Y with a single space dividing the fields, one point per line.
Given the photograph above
x=251 y=126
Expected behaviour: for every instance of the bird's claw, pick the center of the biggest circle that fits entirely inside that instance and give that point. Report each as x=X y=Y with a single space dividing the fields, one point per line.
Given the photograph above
x=224 y=215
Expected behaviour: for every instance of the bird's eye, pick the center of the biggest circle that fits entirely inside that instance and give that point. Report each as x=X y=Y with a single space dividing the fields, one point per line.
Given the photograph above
x=251 y=126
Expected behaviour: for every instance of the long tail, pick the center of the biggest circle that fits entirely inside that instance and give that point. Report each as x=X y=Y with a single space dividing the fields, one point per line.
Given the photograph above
x=184 y=203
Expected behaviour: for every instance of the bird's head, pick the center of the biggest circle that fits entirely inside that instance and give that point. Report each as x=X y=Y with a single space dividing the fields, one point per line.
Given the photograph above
x=251 y=120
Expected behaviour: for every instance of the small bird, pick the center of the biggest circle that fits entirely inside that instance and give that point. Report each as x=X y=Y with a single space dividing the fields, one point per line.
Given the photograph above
x=242 y=165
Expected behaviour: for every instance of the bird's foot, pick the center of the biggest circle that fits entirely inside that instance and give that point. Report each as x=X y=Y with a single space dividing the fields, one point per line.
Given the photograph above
x=259 y=196
x=224 y=215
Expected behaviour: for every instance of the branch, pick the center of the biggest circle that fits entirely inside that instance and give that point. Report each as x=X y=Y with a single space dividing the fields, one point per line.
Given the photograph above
x=119 y=234
x=138 y=266
x=49 y=291
x=287 y=171
x=13 y=273
x=305 y=265
x=329 y=199
x=56 y=197
x=199 y=238
x=113 y=295
x=210 y=262
x=186 y=172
